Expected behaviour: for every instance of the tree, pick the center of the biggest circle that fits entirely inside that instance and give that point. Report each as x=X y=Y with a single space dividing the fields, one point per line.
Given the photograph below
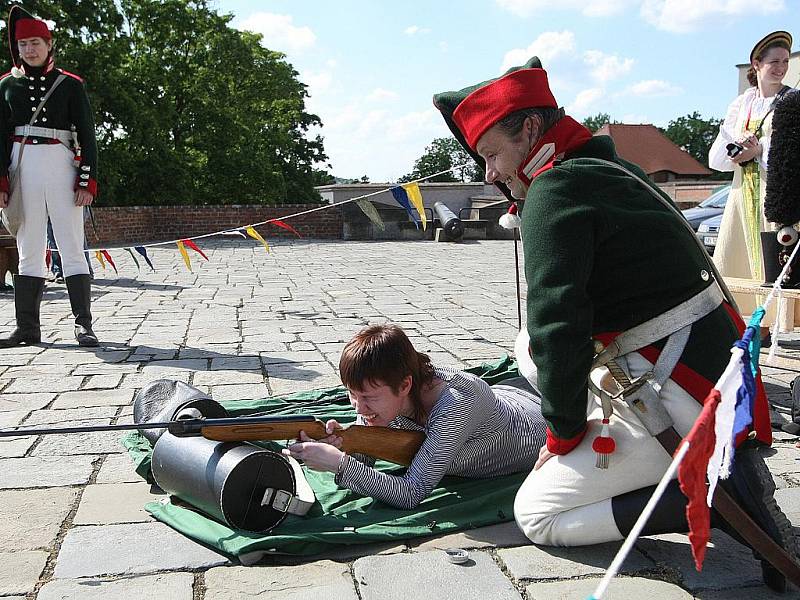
x=443 y=154
x=597 y=121
x=694 y=134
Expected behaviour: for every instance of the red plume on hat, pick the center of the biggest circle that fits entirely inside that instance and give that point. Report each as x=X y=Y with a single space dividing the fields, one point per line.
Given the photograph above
x=22 y=25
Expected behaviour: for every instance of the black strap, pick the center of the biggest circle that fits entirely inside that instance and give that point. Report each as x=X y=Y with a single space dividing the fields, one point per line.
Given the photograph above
x=778 y=96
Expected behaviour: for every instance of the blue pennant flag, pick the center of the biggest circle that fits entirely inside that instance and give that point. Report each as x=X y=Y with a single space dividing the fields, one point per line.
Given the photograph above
x=401 y=196
x=143 y=251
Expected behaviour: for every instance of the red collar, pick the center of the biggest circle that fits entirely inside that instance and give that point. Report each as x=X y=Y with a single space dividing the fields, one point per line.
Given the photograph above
x=562 y=138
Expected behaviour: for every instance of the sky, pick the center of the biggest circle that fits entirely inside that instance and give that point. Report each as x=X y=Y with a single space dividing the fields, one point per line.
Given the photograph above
x=372 y=67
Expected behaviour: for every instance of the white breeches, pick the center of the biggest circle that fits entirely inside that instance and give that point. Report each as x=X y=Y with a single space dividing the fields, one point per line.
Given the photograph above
x=567 y=502
x=47 y=186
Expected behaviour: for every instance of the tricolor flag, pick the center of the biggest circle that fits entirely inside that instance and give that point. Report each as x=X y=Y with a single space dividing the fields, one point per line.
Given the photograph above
x=727 y=411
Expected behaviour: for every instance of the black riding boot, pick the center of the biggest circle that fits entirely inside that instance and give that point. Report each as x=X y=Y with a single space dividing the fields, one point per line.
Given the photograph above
x=668 y=517
x=27 y=298
x=79 y=288
x=752 y=486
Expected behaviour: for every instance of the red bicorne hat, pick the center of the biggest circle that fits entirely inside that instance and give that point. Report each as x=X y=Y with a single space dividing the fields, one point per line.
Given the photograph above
x=480 y=110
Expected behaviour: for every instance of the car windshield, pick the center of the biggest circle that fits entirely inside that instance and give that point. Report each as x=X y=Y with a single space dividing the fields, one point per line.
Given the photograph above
x=717 y=199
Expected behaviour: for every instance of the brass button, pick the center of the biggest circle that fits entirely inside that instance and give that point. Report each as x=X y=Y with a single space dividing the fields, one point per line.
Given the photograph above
x=704 y=275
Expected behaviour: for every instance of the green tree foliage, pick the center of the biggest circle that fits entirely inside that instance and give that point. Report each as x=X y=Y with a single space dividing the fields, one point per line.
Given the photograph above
x=597 y=121
x=442 y=154
x=189 y=110
x=694 y=134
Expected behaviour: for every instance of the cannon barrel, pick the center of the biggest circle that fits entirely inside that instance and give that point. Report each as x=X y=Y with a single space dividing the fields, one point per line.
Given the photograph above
x=451 y=224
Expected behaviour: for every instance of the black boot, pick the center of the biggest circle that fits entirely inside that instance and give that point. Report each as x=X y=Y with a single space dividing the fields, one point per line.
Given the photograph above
x=752 y=486
x=27 y=298
x=668 y=517
x=79 y=288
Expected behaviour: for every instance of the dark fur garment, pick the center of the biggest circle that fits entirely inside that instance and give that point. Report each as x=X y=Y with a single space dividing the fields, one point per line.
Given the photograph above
x=782 y=203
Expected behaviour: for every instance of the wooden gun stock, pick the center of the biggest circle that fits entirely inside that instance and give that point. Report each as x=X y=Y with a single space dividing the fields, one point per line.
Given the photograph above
x=394 y=445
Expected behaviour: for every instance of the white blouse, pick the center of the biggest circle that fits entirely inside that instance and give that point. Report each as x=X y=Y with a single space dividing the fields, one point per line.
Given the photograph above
x=730 y=130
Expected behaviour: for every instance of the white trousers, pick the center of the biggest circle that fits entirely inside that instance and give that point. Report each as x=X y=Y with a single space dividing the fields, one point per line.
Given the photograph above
x=48 y=183
x=567 y=502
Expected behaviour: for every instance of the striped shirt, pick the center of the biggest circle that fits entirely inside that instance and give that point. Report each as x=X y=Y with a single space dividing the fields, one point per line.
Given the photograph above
x=473 y=430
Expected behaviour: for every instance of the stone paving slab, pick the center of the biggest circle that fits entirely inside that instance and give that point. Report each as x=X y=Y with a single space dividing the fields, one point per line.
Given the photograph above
x=30 y=519
x=117 y=468
x=171 y=586
x=130 y=549
x=312 y=581
x=20 y=571
x=727 y=564
x=549 y=562
x=85 y=398
x=25 y=402
x=75 y=444
x=431 y=576
x=493 y=536
x=45 y=471
x=106 y=504
x=621 y=588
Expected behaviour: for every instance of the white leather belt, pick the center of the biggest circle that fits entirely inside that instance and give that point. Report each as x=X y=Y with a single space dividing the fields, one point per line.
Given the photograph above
x=62 y=135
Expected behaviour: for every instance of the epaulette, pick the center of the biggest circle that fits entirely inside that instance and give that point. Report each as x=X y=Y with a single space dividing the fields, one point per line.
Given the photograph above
x=78 y=77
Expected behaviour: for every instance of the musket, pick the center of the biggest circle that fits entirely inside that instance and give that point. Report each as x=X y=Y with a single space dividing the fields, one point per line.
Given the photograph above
x=394 y=445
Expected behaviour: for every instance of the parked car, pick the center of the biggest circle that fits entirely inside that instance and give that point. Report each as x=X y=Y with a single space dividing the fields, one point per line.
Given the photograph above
x=708 y=231
x=710 y=207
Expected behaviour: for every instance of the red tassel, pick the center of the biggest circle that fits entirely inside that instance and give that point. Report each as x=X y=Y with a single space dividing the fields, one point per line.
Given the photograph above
x=603 y=445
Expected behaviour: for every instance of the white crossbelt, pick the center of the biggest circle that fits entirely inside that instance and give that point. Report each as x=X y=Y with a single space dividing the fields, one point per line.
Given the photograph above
x=62 y=135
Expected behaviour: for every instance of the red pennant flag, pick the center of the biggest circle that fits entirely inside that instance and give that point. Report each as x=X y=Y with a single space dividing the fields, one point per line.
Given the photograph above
x=280 y=223
x=193 y=246
x=110 y=260
x=692 y=477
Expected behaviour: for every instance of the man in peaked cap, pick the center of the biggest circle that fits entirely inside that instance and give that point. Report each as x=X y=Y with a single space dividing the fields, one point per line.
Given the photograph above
x=605 y=252
x=48 y=147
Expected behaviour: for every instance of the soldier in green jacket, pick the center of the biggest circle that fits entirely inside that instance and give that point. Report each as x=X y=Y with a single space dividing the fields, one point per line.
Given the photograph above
x=605 y=252
x=48 y=147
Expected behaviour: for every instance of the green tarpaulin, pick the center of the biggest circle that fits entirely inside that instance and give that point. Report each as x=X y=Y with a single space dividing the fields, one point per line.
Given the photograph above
x=341 y=517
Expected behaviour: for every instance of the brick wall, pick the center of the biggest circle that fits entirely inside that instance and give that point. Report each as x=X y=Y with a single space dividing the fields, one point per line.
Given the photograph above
x=130 y=224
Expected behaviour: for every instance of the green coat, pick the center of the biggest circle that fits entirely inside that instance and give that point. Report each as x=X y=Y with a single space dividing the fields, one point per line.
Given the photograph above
x=603 y=255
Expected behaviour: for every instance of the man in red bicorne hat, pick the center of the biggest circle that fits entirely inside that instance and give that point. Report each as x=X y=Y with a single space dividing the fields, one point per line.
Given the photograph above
x=623 y=310
x=48 y=170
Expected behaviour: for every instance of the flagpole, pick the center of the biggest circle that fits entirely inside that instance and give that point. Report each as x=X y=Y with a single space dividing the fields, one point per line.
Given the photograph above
x=626 y=547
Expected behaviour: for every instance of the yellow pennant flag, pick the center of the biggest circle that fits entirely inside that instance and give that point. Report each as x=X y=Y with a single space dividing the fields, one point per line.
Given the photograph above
x=372 y=213
x=415 y=196
x=185 y=256
x=99 y=256
x=257 y=236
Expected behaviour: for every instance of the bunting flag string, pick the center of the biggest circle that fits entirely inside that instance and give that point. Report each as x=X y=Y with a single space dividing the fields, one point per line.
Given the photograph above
x=257 y=236
x=372 y=213
x=185 y=255
x=407 y=195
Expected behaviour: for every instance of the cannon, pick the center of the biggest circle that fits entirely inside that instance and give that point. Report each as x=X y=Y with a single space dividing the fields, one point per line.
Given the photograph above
x=451 y=225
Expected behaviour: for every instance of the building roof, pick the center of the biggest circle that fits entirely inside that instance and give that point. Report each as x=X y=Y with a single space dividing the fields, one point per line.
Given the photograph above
x=646 y=146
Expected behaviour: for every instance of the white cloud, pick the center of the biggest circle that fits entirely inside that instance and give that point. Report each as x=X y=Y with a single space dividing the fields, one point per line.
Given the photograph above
x=279 y=32
x=548 y=46
x=584 y=101
x=317 y=81
x=636 y=119
x=681 y=16
x=653 y=87
x=443 y=46
x=590 y=8
x=381 y=94
x=606 y=67
x=416 y=29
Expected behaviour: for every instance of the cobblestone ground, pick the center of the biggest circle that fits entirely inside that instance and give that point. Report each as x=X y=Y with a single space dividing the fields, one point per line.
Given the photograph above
x=247 y=324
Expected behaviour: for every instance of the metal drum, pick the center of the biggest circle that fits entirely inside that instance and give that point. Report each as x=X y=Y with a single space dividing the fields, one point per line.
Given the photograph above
x=242 y=485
